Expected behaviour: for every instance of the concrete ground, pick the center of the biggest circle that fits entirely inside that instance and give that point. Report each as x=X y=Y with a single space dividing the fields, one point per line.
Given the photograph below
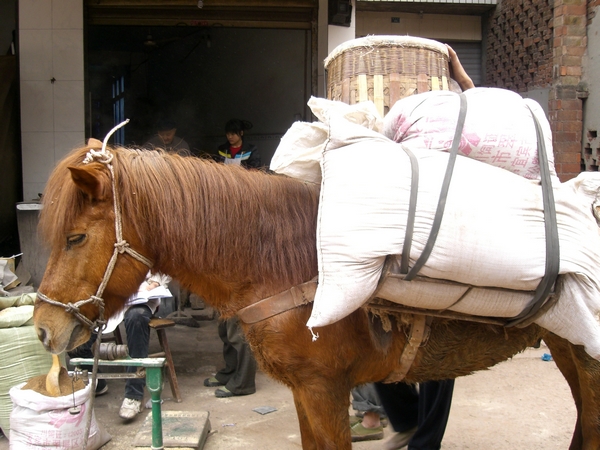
x=523 y=403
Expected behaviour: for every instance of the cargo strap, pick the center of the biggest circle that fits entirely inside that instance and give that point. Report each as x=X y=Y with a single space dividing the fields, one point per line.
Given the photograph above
x=543 y=292
x=276 y=304
x=419 y=334
x=439 y=213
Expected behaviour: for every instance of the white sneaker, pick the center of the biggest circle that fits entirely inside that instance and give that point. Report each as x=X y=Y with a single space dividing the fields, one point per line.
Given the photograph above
x=130 y=408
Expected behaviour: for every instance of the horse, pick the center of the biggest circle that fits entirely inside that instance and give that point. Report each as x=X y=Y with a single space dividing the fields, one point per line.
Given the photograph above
x=235 y=237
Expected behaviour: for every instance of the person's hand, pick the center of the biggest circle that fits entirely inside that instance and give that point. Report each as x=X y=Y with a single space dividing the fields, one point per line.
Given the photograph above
x=457 y=71
x=152 y=285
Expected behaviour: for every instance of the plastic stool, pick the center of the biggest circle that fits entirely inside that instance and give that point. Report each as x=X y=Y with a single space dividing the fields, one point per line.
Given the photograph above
x=160 y=326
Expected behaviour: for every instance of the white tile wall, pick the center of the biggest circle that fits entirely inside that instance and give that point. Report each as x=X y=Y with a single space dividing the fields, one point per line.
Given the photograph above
x=35 y=14
x=52 y=113
x=38 y=160
x=69 y=106
x=66 y=141
x=37 y=106
x=35 y=54
x=67 y=54
x=67 y=14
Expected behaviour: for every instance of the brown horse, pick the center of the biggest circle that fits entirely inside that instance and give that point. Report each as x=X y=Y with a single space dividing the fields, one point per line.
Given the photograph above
x=235 y=237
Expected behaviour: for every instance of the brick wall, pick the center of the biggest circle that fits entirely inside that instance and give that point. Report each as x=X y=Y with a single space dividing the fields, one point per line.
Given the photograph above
x=540 y=44
x=519 y=45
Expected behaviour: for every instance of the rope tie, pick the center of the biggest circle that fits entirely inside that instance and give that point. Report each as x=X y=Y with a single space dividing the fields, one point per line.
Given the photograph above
x=71 y=308
x=122 y=246
x=101 y=156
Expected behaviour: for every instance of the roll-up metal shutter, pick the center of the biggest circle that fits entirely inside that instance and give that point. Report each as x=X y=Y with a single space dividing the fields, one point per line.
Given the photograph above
x=288 y=14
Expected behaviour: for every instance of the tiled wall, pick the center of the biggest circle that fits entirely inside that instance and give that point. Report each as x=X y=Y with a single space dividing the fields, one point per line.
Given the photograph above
x=52 y=89
x=432 y=26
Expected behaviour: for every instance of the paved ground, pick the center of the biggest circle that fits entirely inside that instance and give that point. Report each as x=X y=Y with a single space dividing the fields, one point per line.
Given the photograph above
x=523 y=403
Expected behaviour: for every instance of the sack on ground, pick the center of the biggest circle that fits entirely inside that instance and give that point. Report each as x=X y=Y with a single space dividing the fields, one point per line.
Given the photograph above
x=39 y=422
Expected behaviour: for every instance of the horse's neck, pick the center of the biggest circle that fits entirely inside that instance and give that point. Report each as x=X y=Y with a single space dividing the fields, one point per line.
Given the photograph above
x=247 y=238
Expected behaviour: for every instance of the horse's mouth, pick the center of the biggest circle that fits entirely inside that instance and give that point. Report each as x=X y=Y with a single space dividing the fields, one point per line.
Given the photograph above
x=58 y=344
x=75 y=340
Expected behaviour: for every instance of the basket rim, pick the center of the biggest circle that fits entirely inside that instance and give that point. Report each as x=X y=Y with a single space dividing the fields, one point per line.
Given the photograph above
x=386 y=40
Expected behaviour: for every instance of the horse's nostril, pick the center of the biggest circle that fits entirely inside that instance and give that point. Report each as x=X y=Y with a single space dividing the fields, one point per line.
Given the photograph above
x=43 y=336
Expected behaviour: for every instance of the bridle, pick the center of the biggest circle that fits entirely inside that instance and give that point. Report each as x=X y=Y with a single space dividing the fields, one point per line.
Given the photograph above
x=120 y=247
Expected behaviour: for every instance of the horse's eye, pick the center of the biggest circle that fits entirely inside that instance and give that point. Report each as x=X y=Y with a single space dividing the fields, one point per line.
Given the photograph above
x=75 y=240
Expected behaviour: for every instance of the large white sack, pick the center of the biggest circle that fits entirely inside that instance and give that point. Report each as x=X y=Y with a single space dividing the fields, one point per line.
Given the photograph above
x=41 y=422
x=299 y=153
x=498 y=128
x=492 y=233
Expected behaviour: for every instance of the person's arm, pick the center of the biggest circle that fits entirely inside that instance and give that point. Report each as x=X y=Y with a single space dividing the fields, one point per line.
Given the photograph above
x=457 y=71
x=254 y=161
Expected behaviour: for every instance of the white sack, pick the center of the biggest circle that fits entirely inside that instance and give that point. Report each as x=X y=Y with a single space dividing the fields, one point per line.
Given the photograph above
x=498 y=130
x=300 y=150
x=492 y=233
x=40 y=422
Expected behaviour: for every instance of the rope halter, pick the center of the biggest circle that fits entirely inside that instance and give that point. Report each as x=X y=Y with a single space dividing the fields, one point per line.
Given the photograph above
x=121 y=246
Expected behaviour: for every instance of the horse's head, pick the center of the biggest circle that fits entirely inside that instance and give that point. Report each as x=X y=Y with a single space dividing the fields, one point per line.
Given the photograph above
x=78 y=223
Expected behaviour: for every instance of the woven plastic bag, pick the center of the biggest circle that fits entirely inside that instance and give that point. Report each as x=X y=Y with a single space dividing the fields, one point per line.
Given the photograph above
x=39 y=422
x=498 y=128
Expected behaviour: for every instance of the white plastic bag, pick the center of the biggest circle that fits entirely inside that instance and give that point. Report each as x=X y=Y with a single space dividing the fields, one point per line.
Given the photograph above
x=301 y=148
x=39 y=422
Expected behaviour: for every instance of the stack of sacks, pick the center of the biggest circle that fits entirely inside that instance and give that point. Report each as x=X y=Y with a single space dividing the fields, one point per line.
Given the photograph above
x=492 y=233
x=22 y=355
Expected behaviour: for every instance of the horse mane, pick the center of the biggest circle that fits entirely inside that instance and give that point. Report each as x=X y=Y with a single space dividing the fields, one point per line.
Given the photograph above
x=214 y=217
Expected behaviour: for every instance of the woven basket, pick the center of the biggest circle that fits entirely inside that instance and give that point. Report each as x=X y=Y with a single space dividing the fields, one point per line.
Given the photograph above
x=385 y=69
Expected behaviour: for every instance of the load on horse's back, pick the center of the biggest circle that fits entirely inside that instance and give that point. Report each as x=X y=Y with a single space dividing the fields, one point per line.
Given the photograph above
x=92 y=208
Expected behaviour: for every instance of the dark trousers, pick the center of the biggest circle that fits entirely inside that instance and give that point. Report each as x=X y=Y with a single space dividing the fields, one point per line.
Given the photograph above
x=428 y=409
x=239 y=372
x=136 y=320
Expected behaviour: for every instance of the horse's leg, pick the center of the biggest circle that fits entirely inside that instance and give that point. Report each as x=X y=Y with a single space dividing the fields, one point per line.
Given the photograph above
x=583 y=375
x=589 y=384
x=306 y=433
x=323 y=414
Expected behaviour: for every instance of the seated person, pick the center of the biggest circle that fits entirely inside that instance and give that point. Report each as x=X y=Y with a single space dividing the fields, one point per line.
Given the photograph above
x=236 y=150
x=167 y=139
x=139 y=310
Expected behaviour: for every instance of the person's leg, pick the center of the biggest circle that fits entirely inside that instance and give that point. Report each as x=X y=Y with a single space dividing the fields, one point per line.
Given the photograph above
x=400 y=402
x=240 y=357
x=136 y=322
x=435 y=400
x=366 y=400
x=229 y=354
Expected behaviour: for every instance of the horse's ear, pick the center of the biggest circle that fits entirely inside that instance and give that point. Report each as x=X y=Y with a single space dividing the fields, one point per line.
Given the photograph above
x=90 y=180
x=94 y=143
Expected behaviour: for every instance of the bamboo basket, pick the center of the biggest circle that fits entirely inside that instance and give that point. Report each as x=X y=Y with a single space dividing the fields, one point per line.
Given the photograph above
x=385 y=69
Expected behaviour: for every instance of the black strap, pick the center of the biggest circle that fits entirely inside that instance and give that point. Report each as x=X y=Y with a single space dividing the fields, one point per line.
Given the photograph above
x=412 y=210
x=439 y=213
x=552 y=242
